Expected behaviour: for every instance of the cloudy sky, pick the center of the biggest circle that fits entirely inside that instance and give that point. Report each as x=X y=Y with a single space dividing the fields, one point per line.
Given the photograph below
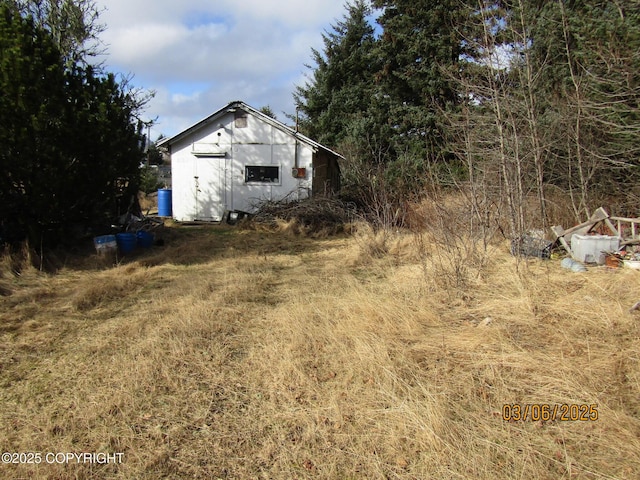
x=198 y=55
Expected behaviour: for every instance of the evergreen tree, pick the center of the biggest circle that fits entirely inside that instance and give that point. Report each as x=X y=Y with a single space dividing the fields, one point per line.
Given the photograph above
x=588 y=57
x=340 y=88
x=30 y=70
x=268 y=112
x=420 y=38
x=69 y=146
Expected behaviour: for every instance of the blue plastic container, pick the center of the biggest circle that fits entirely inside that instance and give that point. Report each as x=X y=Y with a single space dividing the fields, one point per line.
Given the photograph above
x=164 y=202
x=126 y=242
x=105 y=244
x=144 y=239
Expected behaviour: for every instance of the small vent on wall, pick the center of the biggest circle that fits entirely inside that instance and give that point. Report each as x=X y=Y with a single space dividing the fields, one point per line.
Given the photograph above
x=240 y=118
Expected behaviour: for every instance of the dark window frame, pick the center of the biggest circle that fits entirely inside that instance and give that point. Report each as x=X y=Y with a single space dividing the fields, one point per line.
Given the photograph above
x=262 y=174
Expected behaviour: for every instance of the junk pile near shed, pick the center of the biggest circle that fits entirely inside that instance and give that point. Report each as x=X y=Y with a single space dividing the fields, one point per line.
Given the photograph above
x=134 y=233
x=602 y=240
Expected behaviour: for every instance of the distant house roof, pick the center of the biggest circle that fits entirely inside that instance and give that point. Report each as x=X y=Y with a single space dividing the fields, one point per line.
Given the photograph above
x=231 y=107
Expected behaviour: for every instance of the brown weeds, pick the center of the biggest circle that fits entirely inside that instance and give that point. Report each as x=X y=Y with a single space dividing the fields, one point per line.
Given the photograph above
x=247 y=354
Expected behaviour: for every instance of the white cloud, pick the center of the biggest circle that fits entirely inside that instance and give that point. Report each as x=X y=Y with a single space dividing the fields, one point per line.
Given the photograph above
x=182 y=99
x=130 y=44
x=199 y=55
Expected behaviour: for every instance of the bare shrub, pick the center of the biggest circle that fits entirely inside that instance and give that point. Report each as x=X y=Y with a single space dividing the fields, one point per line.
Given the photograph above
x=316 y=216
x=456 y=248
x=381 y=198
x=372 y=243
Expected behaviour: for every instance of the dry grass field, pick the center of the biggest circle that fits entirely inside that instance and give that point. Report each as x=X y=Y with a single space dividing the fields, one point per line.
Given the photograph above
x=242 y=354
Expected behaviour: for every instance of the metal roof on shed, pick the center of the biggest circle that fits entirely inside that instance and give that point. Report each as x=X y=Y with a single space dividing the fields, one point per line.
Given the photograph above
x=249 y=109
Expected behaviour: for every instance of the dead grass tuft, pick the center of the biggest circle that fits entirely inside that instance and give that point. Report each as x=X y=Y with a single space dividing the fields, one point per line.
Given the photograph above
x=5 y=274
x=148 y=202
x=251 y=354
x=16 y=267
x=112 y=286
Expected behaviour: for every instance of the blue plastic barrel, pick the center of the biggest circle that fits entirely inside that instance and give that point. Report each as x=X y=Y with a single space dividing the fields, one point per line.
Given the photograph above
x=164 y=202
x=126 y=242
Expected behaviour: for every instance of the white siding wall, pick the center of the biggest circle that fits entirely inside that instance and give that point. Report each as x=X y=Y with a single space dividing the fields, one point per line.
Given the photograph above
x=222 y=180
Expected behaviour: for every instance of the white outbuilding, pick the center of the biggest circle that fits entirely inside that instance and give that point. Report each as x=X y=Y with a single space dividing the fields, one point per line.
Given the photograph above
x=237 y=157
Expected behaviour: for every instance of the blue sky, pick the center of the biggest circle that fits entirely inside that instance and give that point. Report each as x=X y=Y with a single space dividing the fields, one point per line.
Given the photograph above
x=198 y=55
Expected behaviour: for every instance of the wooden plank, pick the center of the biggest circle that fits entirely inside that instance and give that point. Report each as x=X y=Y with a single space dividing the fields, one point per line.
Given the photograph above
x=565 y=245
x=584 y=227
x=558 y=231
x=616 y=233
x=631 y=241
x=599 y=214
x=633 y=221
x=625 y=219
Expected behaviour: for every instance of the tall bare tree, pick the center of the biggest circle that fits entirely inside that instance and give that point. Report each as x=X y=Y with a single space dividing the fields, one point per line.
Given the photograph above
x=73 y=25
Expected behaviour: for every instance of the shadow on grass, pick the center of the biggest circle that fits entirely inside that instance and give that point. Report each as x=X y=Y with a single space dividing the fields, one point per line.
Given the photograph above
x=192 y=244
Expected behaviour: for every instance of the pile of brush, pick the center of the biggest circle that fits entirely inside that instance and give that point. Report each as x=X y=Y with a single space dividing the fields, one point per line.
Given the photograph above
x=316 y=216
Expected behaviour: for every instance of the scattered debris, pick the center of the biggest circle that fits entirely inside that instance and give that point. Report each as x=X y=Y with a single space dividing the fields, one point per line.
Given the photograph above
x=634 y=264
x=132 y=232
x=629 y=256
x=593 y=248
x=564 y=236
x=588 y=243
x=531 y=246
x=571 y=264
x=486 y=322
x=613 y=260
x=635 y=307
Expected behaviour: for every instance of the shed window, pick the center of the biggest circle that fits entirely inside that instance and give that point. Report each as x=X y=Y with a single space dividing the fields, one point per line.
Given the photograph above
x=241 y=119
x=261 y=174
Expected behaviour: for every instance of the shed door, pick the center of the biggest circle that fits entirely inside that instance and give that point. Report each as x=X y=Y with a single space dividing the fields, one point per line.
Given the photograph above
x=209 y=188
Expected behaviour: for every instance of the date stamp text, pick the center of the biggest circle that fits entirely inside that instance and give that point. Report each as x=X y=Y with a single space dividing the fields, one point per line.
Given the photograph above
x=536 y=412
